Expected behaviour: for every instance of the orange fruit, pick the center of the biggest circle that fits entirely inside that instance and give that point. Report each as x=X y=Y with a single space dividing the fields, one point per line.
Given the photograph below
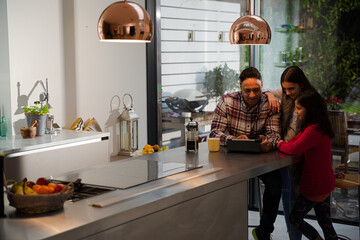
x=53 y=185
x=36 y=188
x=43 y=189
x=147 y=146
x=51 y=189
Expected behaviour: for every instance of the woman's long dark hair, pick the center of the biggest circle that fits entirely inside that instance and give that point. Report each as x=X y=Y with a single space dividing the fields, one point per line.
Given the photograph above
x=316 y=112
x=292 y=74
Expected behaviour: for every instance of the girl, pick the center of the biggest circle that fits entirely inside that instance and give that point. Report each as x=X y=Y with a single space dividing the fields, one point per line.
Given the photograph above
x=293 y=82
x=317 y=178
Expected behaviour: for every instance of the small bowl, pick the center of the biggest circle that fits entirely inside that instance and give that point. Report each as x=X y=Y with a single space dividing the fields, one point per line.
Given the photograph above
x=28 y=132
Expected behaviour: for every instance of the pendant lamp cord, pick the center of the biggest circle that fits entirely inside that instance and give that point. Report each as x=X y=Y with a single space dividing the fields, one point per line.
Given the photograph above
x=250 y=10
x=259 y=7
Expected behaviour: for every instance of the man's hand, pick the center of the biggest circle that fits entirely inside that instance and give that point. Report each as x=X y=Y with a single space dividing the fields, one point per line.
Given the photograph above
x=274 y=104
x=265 y=145
x=241 y=137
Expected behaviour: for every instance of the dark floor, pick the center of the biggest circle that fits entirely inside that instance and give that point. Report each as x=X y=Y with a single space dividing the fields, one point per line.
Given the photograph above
x=344 y=231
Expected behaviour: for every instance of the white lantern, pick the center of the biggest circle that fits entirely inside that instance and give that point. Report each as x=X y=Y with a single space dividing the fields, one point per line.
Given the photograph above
x=129 y=126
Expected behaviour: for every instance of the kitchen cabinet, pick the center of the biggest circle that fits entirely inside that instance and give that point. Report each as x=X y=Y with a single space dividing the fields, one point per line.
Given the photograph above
x=216 y=215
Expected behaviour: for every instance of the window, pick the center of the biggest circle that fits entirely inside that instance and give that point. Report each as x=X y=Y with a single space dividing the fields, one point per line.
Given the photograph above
x=198 y=64
x=323 y=40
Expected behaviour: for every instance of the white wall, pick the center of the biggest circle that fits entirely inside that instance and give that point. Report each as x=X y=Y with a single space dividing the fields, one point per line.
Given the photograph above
x=35 y=54
x=58 y=40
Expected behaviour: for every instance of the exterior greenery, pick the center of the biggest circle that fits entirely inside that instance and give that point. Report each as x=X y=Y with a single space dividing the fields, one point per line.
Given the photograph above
x=221 y=80
x=332 y=55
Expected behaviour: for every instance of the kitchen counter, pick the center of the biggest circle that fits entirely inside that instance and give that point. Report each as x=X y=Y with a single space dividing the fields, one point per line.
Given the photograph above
x=205 y=203
x=13 y=148
x=16 y=145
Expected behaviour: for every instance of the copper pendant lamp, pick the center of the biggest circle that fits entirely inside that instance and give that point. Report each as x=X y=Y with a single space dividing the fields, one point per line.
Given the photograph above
x=250 y=30
x=125 y=21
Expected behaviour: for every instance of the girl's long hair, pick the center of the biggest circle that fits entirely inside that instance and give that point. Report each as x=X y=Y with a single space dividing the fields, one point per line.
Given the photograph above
x=292 y=74
x=316 y=112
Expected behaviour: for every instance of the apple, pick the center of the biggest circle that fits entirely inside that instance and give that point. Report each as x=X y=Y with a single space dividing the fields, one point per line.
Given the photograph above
x=59 y=188
x=156 y=148
x=30 y=184
x=42 y=181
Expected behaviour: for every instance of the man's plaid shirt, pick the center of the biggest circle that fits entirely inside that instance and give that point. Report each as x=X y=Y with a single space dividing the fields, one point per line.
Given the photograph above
x=233 y=118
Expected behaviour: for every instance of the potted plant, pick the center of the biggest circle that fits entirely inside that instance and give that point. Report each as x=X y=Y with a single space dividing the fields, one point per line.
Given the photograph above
x=334 y=103
x=37 y=112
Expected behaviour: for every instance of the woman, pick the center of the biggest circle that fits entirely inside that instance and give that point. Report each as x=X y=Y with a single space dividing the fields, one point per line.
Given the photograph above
x=317 y=177
x=293 y=82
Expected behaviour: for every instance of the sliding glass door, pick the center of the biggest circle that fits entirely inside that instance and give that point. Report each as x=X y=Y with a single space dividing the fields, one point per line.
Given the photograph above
x=320 y=38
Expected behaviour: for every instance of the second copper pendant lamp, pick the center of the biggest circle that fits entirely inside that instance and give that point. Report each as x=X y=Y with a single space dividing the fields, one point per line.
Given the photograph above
x=125 y=21
x=250 y=30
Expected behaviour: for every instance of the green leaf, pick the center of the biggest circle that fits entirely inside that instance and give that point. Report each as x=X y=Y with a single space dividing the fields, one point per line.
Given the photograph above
x=36 y=109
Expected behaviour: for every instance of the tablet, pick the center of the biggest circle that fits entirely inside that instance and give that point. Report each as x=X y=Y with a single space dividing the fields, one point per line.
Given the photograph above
x=243 y=145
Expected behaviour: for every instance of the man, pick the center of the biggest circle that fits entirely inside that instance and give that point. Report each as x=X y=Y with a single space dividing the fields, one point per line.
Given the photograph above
x=246 y=115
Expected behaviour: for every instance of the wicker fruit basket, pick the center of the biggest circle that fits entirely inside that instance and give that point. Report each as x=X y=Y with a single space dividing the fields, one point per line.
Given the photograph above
x=41 y=203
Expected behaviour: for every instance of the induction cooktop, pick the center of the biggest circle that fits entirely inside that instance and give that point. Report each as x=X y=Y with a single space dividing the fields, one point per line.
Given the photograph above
x=126 y=174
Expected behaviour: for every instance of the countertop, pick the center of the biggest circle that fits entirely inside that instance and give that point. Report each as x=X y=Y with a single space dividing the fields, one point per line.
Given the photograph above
x=16 y=144
x=81 y=219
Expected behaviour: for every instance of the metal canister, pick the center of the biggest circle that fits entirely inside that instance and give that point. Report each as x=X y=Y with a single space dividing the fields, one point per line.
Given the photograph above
x=49 y=123
x=192 y=135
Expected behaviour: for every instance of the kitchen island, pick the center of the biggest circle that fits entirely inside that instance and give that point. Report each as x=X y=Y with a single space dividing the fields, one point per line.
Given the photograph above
x=205 y=203
x=50 y=154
